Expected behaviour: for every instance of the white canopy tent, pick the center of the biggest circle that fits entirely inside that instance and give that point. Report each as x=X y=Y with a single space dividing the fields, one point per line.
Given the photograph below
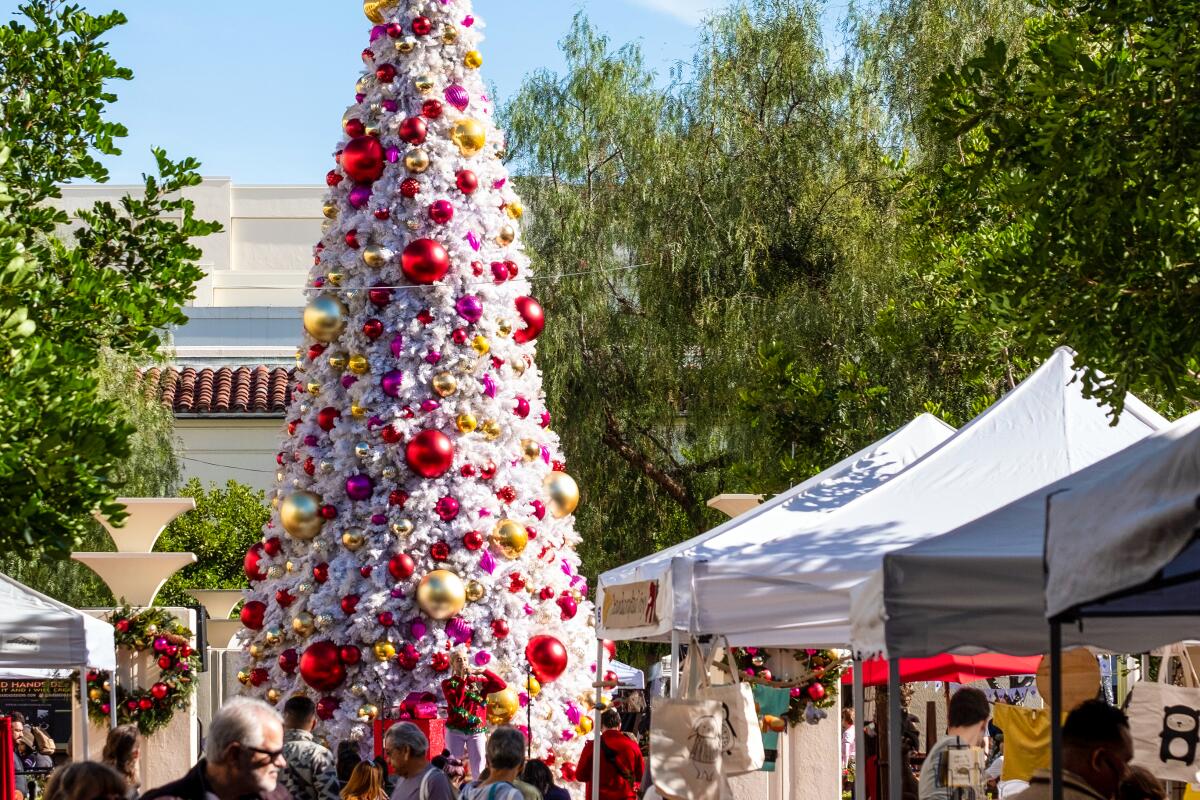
x=38 y=631
x=980 y=587
x=628 y=677
x=792 y=510
x=794 y=590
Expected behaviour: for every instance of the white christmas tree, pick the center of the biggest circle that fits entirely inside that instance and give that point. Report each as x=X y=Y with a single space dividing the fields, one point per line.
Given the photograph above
x=421 y=503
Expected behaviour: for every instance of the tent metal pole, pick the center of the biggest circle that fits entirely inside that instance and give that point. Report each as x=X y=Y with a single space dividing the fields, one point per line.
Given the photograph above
x=83 y=718
x=895 y=751
x=596 y=711
x=1056 y=700
x=112 y=699
x=674 y=663
x=860 y=731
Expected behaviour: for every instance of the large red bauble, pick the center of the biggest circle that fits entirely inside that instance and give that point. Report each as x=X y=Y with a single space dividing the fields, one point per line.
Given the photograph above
x=466 y=181
x=321 y=666
x=159 y=690
x=252 y=614
x=430 y=454
x=401 y=566
x=327 y=417
x=413 y=130
x=535 y=319
x=363 y=159
x=816 y=691
x=326 y=706
x=288 y=660
x=349 y=603
x=499 y=628
x=425 y=261
x=547 y=656
x=251 y=565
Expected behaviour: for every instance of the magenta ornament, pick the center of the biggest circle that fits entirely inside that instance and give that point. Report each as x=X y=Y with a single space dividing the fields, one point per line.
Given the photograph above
x=569 y=608
x=441 y=211
x=391 y=382
x=349 y=380
x=397 y=345
x=539 y=509
x=359 y=487
x=310 y=440
x=483 y=658
x=430 y=405
x=459 y=631
x=573 y=713
x=392 y=155
x=523 y=699
x=379 y=519
x=473 y=240
x=522 y=409
x=433 y=357
x=457 y=96
x=489 y=386
x=418 y=629
x=470 y=308
x=487 y=563
x=360 y=196
x=378 y=32
x=447 y=508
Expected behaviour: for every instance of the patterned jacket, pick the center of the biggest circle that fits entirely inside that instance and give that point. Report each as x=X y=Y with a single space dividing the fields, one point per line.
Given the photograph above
x=311 y=773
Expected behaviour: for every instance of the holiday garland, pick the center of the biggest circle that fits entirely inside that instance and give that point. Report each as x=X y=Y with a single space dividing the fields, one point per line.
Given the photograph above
x=151 y=709
x=816 y=684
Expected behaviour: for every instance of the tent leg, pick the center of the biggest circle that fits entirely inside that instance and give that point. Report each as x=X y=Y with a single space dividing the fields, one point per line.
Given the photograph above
x=112 y=699
x=1056 y=741
x=895 y=751
x=83 y=717
x=675 y=663
x=860 y=731
x=596 y=722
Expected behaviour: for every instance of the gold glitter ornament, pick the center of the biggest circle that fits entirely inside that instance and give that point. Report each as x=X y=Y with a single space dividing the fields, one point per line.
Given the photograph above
x=416 y=161
x=374 y=9
x=384 y=650
x=490 y=429
x=322 y=621
x=290 y=566
x=444 y=384
x=244 y=677
x=358 y=364
x=358 y=690
x=466 y=423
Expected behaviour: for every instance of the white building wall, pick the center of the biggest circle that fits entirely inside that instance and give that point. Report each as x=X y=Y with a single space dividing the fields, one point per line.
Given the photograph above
x=219 y=449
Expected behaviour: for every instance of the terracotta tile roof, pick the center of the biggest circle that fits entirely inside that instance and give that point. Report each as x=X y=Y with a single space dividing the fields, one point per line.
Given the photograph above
x=227 y=390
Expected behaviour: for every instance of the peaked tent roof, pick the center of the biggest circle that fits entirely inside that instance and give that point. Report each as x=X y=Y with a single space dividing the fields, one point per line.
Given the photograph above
x=794 y=591
x=820 y=494
x=1133 y=520
x=38 y=631
x=991 y=569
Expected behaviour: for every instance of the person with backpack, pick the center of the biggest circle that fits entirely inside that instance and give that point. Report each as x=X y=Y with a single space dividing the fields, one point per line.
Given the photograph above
x=505 y=759
x=621 y=763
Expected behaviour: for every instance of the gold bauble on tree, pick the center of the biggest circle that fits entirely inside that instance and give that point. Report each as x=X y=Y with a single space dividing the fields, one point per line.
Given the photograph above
x=475 y=591
x=530 y=450
x=510 y=538
x=300 y=514
x=563 y=493
x=274 y=695
x=95 y=695
x=491 y=429
x=367 y=712
x=353 y=539
x=358 y=364
x=466 y=423
x=303 y=624
x=416 y=161
x=376 y=255
x=473 y=59
x=506 y=236
x=532 y=686
x=470 y=136
x=374 y=9
x=502 y=706
x=384 y=650
x=444 y=384
x=441 y=594
x=423 y=83
x=325 y=318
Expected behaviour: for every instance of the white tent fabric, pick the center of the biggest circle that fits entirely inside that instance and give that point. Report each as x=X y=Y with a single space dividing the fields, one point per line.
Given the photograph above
x=37 y=631
x=1122 y=522
x=794 y=591
x=788 y=511
x=980 y=587
x=629 y=677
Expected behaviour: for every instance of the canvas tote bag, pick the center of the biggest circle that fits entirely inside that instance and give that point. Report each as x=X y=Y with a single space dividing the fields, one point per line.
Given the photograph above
x=745 y=752
x=1165 y=723
x=688 y=741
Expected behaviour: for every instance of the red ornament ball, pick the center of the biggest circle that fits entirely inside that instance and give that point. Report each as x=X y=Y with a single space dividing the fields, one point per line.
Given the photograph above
x=354 y=128
x=431 y=109
x=321 y=667
x=440 y=662
x=398 y=498
x=430 y=454
x=257 y=678
x=410 y=187
x=349 y=603
x=413 y=130
x=123 y=627
x=379 y=295
x=447 y=508
x=401 y=566
x=390 y=434
x=547 y=657
x=252 y=614
x=328 y=512
x=284 y=598
x=422 y=26
x=288 y=660
x=350 y=654
x=372 y=329
x=386 y=618
x=439 y=551
x=165 y=662
x=816 y=691
x=363 y=159
x=326 y=706
x=252 y=564
x=321 y=573
x=466 y=181
x=273 y=546
x=473 y=540
x=385 y=73
x=535 y=319
x=333 y=178
x=425 y=261
x=499 y=628
x=441 y=211
x=610 y=647
x=145 y=704
x=327 y=417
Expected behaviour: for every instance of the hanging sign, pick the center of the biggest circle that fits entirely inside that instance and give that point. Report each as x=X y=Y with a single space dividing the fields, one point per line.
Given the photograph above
x=630 y=605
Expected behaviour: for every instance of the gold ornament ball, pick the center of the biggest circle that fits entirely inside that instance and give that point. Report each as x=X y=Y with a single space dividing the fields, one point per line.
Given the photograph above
x=256 y=650
x=504 y=328
x=335 y=278
x=514 y=209
x=358 y=411
x=510 y=538
x=480 y=345
x=388 y=473
x=303 y=624
x=330 y=211
x=423 y=83
x=406 y=45
x=289 y=565
x=384 y=650
x=353 y=539
x=469 y=135
x=402 y=527
x=274 y=695
x=362 y=86
x=473 y=59
x=367 y=712
x=466 y=423
x=274 y=635
x=376 y=255
x=506 y=236
x=358 y=690
x=325 y=318
x=300 y=514
x=533 y=687
x=94 y=695
x=444 y=384
x=362 y=450
x=441 y=594
x=314 y=389
x=475 y=591
x=337 y=361
x=358 y=364
x=449 y=34
x=244 y=677
x=502 y=706
x=322 y=621
x=518 y=366
x=416 y=161
x=530 y=450
x=491 y=429
x=585 y=726
x=563 y=493
x=275 y=572
x=374 y=9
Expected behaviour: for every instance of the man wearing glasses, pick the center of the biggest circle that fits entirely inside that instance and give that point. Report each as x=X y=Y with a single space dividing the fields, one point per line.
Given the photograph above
x=243 y=757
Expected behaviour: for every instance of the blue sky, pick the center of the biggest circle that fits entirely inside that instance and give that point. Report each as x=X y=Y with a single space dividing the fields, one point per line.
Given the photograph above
x=255 y=89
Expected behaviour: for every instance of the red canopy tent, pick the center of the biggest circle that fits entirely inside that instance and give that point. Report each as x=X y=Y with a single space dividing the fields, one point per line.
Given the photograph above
x=948 y=668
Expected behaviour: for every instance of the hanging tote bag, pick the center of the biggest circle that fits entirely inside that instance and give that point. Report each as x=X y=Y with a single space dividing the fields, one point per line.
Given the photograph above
x=688 y=741
x=745 y=752
x=1165 y=723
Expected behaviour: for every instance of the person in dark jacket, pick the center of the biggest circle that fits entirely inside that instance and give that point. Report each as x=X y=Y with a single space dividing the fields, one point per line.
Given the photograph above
x=539 y=776
x=243 y=757
x=621 y=763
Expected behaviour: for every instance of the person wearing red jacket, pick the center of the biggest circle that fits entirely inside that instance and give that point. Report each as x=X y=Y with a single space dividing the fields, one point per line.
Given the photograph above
x=466 y=692
x=621 y=762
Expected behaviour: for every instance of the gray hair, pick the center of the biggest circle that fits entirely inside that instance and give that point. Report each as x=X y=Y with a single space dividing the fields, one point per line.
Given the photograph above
x=406 y=734
x=506 y=748
x=241 y=720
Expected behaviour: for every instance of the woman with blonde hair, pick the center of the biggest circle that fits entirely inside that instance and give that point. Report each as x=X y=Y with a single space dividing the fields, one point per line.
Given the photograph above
x=366 y=783
x=85 y=780
x=122 y=749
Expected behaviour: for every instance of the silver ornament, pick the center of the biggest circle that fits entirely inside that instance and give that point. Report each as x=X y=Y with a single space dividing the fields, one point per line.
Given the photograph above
x=388 y=473
x=326 y=467
x=362 y=449
x=275 y=572
x=303 y=587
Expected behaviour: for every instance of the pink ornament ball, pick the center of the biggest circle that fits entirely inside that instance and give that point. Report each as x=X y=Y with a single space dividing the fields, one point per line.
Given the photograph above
x=359 y=196
x=457 y=96
x=441 y=211
x=391 y=383
x=359 y=487
x=470 y=308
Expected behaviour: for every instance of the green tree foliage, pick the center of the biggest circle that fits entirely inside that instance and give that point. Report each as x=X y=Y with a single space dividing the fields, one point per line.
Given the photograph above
x=1071 y=212
x=108 y=279
x=737 y=314
x=226 y=523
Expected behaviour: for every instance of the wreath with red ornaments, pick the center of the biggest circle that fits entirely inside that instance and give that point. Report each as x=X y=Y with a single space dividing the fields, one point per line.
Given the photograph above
x=159 y=631
x=814 y=684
